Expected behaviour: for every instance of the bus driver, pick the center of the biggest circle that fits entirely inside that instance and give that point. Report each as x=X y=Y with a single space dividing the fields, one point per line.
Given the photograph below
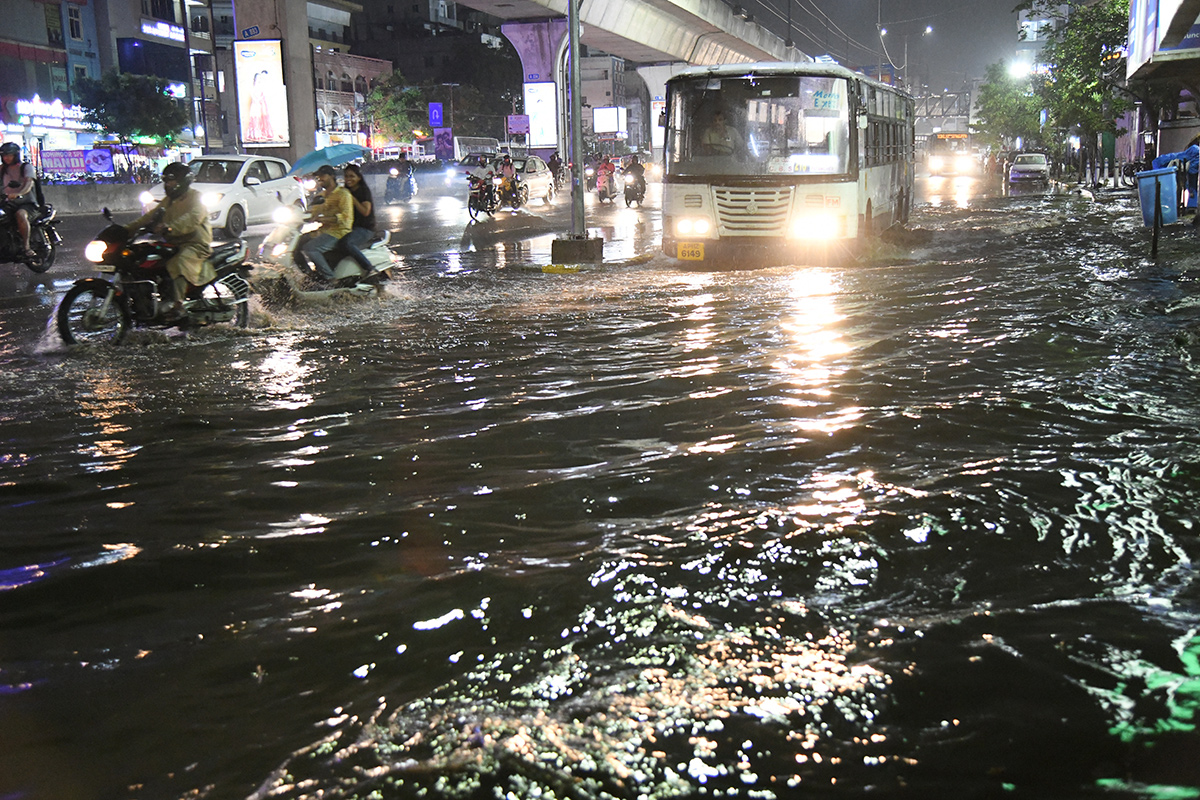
x=719 y=139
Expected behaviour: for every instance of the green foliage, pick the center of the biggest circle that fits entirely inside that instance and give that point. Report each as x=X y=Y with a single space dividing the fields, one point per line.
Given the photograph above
x=1007 y=109
x=478 y=88
x=127 y=105
x=395 y=109
x=1084 y=90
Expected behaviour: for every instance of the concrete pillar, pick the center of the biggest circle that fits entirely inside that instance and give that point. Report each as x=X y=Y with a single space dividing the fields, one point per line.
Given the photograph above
x=286 y=20
x=540 y=46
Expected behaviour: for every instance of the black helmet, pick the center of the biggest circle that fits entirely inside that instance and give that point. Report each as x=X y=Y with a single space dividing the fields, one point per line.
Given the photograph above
x=181 y=175
x=10 y=149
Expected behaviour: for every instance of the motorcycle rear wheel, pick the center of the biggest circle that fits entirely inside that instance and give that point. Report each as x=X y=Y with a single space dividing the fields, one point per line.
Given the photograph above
x=83 y=316
x=40 y=243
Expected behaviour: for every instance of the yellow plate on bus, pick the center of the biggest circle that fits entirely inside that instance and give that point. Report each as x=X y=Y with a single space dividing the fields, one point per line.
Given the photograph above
x=691 y=251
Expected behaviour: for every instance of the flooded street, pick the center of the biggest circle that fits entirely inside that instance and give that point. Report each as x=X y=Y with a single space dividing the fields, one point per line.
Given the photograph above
x=923 y=526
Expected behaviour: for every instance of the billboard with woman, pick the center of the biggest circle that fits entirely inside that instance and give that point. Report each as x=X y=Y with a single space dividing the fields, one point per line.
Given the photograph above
x=262 y=97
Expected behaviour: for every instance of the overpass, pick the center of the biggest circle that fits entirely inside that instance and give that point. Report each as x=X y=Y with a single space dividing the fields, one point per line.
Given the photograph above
x=659 y=37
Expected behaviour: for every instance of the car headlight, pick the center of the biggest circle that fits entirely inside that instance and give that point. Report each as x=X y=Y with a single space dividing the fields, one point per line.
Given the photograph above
x=816 y=227
x=693 y=226
x=211 y=200
x=95 y=250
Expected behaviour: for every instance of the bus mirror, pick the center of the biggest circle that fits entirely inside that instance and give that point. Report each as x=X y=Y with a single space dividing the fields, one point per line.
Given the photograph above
x=863 y=122
x=662 y=119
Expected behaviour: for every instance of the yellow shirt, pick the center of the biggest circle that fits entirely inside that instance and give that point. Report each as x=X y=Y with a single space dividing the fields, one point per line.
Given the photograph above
x=337 y=213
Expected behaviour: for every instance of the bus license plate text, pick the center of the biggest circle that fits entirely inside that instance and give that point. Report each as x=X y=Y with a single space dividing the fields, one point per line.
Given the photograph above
x=691 y=251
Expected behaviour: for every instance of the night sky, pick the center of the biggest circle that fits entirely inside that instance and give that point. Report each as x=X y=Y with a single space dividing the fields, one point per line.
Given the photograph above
x=967 y=34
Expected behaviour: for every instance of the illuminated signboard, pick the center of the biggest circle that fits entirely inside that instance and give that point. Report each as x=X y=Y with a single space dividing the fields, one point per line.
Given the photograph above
x=262 y=96
x=609 y=119
x=39 y=114
x=541 y=105
x=163 y=30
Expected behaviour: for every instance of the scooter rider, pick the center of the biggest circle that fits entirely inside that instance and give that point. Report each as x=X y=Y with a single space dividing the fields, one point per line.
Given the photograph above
x=336 y=216
x=14 y=171
x=182 y=219
x=606 y=174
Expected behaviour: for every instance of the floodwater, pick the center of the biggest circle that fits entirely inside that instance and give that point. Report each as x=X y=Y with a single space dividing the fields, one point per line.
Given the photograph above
x=923 y=526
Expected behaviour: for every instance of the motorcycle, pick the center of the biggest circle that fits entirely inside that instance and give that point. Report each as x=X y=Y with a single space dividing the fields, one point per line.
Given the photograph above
x=135 y=289
x=279 y=247
x=635 y=189
x=606 y=186
x=483 y=194
x=400 y=188
x=43 y=238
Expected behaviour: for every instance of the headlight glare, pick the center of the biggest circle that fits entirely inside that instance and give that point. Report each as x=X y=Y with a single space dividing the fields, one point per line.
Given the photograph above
x=95 y=250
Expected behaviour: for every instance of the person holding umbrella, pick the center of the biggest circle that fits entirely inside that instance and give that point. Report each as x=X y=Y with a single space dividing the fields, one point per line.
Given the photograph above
x=336 y=216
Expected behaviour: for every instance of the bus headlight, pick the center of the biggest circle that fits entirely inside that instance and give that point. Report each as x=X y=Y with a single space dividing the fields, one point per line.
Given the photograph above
x=936 y=163
x=693 y=226
x=817 y=227
x=964 y=164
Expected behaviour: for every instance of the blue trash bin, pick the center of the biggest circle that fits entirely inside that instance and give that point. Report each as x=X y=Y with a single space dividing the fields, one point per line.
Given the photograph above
x=1165 y=178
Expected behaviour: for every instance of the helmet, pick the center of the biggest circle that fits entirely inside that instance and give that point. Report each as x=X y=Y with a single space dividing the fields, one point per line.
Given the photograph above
x=181 y=175
x=10 y=149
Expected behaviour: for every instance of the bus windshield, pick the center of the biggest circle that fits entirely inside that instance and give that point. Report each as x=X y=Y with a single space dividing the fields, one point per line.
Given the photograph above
x=759 y=125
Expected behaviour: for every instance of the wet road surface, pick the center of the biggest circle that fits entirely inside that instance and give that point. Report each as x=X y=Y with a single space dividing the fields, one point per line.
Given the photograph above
x=917 y=527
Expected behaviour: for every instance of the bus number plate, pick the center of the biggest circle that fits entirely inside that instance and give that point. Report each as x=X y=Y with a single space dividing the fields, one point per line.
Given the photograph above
x=691 y=251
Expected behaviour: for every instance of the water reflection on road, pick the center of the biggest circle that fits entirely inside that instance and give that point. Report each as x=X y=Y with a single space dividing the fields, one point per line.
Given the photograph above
x=918 y=526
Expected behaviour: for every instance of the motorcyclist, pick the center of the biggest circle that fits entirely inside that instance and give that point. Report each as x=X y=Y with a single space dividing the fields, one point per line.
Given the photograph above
x=635 y=168
x=21 y=195
x=555 y=164
x=182 y=220
x=509 y=173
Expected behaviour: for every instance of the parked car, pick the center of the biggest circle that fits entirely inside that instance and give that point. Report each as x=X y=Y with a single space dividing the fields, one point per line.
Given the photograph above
x=239 y=190
x=1030 y=168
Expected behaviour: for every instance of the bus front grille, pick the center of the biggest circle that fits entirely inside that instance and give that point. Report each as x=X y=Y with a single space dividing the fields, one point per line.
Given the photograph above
x=750 y=211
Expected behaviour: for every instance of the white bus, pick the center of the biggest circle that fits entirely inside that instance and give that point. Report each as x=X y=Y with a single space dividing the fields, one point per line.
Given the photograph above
x=778 y=161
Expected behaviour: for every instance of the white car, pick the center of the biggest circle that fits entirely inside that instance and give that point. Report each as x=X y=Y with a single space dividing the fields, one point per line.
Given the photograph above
x=238 y=190
x=1030 y=167
x=534 y=174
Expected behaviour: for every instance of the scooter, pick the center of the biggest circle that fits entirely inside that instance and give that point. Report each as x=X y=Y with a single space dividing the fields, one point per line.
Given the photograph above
x=399 y=188
x=279 y=247
x=606 y=186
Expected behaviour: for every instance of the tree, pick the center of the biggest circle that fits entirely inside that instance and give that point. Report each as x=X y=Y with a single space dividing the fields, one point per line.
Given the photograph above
x=1084 y=89
x=128 y=106
x=1008 y=109
x=395 y=108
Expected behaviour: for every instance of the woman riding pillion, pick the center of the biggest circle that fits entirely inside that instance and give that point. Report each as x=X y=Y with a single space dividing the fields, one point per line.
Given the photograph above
x=364 y=217
x=182 y=220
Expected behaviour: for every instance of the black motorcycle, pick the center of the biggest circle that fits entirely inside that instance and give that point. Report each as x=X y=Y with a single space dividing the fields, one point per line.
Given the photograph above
x=137 y=291
x=635 y=189
x=43 y=238
x=483 y=196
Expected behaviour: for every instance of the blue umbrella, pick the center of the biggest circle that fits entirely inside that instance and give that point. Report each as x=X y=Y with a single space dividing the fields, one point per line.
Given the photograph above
x=334 y=155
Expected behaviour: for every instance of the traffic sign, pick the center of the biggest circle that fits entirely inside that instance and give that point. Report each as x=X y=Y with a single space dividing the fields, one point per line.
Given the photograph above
x=435 y=115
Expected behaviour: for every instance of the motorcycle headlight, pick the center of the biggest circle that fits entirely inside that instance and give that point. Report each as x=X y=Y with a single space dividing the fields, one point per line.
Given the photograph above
x=497 y=181
x=630 y=180
x=95 y=250
x=147 y=199
x=393 y=172
x=283 y=216
x=211 y=200
x=279 y=249
x=589 y=172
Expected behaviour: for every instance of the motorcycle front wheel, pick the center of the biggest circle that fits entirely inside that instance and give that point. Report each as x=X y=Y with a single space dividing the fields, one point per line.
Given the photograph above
x=473 y=208
x=91 y=311
x=40 y=243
